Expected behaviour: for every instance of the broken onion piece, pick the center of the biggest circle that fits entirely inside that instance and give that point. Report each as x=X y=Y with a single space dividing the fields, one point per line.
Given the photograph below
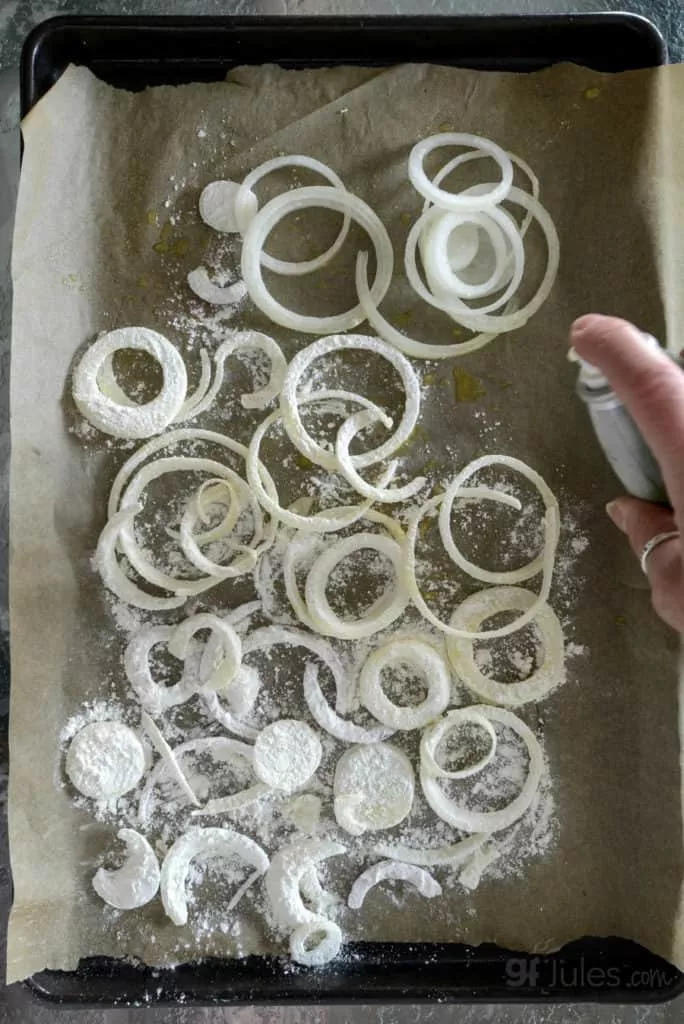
x=230 y=642
x=191 y=401
x=246 y=207
x=130 y=420
x=168 y=757
x=283 y=878
x=316 y=942
x=247 y=341
x=395 y=870
x=136 y=882
x=373 y=788
x=345 y=435
x=440 y=856
x=435 y=734
x=287 y=754
x=427 y=662
x=113 y=576
x=217 y=205
x=489 y=821
x=384 y=611
x=271 y=214
x=227 y=718
x=154 y=697
x=204 y=842
x=472 y=613
x=329 y=721
x=290 y=399
x=204 y=288
x=233 y=802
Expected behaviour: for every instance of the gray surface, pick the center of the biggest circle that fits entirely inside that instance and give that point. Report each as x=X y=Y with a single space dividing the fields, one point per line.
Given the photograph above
x=17 y=17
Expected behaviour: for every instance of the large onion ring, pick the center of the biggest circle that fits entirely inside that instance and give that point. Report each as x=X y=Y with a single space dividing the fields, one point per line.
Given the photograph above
x=301 y=199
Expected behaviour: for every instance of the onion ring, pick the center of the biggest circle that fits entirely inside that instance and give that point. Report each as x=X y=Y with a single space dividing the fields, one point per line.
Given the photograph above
x=392 y=869
x=245 y=341
x=435 y=733
x=328 y=720
x=299 y=199
x=459 y=201
x=478 y=607
x=441 y=856
x=345 y=435
x=424 y=659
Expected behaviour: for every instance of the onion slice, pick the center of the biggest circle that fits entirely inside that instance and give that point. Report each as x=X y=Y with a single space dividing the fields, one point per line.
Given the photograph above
x=329 y=721
x=204 y=288
x=435 y=734
x=373 y=788
x=287 y=754
x=459 y=201
x=283 y=879
x=426 y=885
x=316 y=942
x=441 y=856
x=291 y=202
x=489 y=821
x=168 y=758
x=247 y=341
x=470 y=615
x=345 y=435
x=205 y=843
x=425 y=660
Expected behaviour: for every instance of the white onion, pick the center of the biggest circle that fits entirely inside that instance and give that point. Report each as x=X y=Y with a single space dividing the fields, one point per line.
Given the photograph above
x=284 y=875
x=470 y=615
x=435 y=733
x=186 y=410
x=154 y=697
x=345 y=435
x=373 y=788
x=290 y=400
x=441 y=856
x=247 y=341
x=489 y=821
x=204 y=288
x=301 y=199
x=231 y=647
x=112 y=574
x=383 y=613
x=328 y=720
x=459 y=201
x=304 y=951
x=246 y=207
x=395 y=870
x=130 y=420
x=287 y=754
x=234 y=802
x=136 y=882
x=168 y=758
x=427 y=662
x=525 y=572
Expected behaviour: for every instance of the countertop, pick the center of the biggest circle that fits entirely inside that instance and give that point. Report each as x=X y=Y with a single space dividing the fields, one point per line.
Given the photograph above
x=17 y=18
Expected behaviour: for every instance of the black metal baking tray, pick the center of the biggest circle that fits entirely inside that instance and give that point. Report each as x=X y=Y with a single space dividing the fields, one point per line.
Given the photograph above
x=137 y=52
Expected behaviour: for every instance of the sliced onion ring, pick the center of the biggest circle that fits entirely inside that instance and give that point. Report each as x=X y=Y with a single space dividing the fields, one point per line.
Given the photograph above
x=459 y=201
x=441 y=856
x=434 y=734
x=302 y=949
x=328 y=720
x=247 y=341
x=489 y=821
x=424 y=659
x=290 y=400
x=345 y=435
x=246 y=208
x=470 y=615
x=301 y=199
x=396 y=870
x=136 y=882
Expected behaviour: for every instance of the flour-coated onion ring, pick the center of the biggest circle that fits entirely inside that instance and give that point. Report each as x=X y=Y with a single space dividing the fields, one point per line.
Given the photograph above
x=304 y=951
x=435 y=733
x=113 y=576
x=470 y=615
x=130 y=420
x=246 y=207
x=204 y=288
x=524 y=572
x=290 y=400
x=320 y=612
x=231 y=646
x=422 y=657
x=210 y=842
x=426 y=885
x=284 y=876
x=489 y=821
x=300 y=199
x=186 y=411
x=154 y=697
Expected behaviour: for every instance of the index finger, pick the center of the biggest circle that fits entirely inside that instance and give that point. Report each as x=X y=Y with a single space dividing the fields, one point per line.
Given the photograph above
x=649 y=384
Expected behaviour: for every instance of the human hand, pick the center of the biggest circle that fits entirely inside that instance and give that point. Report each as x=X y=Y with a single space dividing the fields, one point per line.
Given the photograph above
x=652 y=388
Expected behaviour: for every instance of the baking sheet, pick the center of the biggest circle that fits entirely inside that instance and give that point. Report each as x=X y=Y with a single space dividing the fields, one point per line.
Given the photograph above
x=106 y=232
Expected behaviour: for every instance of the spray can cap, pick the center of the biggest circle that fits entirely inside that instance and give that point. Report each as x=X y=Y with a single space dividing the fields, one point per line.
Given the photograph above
x=593 y=378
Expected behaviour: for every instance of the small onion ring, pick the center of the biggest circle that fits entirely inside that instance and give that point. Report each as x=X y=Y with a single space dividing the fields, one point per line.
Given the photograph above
x=246 y=208
x=489 y=821
x=459 y=201
x=300 y=199
x=321 y=614
x=478 y=607
x=301 y=950
x=345 y=435
x=434 y=734
x=289 y=399
x=420 y=656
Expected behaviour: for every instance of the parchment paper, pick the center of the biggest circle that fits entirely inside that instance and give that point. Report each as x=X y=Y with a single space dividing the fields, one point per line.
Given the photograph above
x=103 y=171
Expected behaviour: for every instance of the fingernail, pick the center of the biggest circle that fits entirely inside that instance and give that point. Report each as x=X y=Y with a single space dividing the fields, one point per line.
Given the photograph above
x=616 y=513
x=583 y=324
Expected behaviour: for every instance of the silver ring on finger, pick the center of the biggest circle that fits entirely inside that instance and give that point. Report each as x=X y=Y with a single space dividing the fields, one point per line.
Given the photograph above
x=652 y=544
